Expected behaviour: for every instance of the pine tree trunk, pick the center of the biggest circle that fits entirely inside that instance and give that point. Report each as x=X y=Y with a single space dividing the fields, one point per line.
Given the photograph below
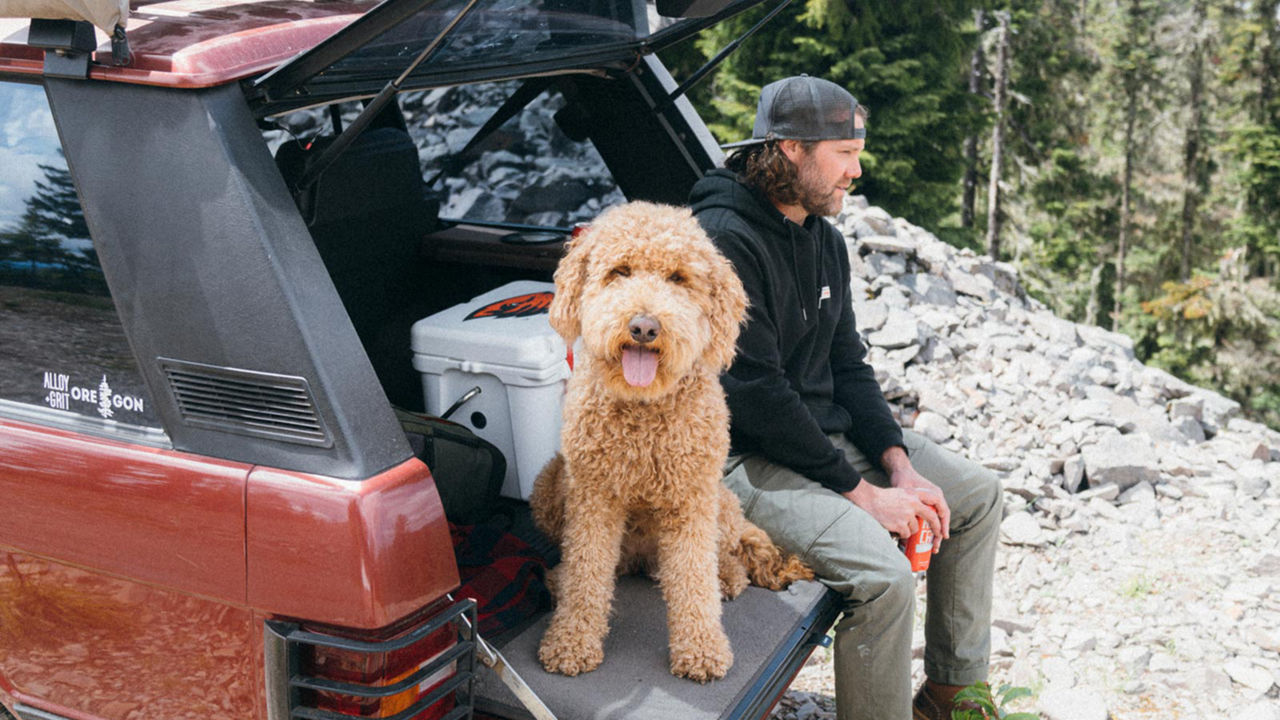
x=976 y=63
x=1191 y=176
x=997 y=139
x=1266 y=112
x=1091 y=309
x=1131 y=84
x=1270 y=71
x=1122 y=246
x=1270 y=58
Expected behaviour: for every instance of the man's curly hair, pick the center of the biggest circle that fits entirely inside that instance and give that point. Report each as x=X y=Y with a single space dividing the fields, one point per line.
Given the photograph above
x=765 y=168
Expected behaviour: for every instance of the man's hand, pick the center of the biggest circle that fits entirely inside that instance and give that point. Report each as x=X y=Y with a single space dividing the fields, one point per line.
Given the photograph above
x=897 y=510
x=904 y=477
x=910 y=497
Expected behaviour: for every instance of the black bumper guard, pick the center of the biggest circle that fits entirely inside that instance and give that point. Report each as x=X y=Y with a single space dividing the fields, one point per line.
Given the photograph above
x=285 y=640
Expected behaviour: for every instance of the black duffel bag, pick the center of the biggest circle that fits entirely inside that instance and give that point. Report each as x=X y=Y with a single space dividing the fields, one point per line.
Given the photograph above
x=468 y=469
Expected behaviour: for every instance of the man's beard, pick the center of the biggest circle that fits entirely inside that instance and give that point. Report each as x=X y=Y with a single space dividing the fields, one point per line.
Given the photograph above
x=815 y=194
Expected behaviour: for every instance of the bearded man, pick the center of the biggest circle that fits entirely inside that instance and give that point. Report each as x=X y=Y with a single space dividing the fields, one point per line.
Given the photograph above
x=818 y=460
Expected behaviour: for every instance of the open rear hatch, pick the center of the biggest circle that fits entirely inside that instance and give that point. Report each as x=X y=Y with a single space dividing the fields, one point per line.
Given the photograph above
x=432 y=43
x=772 y=633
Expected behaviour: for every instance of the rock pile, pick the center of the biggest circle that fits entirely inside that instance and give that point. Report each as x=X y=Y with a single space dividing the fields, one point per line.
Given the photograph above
x=1140 y=571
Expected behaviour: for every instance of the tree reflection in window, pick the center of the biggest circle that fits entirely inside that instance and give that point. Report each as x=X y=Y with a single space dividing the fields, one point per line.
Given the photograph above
x=50 y=246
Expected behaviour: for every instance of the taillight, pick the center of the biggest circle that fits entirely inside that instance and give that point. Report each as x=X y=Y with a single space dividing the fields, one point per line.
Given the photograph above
x=398 y=672
x=419 y=669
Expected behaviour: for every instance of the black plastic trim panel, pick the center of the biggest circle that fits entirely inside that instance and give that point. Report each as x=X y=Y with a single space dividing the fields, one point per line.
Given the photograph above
x=208 y=261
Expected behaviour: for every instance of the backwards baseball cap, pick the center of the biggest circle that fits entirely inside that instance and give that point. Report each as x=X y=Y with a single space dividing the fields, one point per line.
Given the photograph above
x=803 y=108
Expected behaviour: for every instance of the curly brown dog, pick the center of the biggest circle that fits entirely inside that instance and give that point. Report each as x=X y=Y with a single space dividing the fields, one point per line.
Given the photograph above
x=644 y=440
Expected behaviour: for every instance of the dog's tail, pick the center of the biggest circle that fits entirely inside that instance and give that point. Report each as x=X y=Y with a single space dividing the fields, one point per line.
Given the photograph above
x=767 y=565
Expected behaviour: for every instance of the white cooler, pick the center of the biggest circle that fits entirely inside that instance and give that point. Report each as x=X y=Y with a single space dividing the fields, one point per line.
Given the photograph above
x=502 y=343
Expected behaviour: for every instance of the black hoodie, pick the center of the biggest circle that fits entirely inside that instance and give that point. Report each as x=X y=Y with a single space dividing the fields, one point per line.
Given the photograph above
x=800 y=373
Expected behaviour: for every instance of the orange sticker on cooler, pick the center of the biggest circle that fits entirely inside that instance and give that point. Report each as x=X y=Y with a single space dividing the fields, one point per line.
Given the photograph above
x=518 y=306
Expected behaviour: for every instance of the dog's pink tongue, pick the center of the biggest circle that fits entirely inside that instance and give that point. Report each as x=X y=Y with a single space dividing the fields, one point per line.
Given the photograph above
x=639 y=366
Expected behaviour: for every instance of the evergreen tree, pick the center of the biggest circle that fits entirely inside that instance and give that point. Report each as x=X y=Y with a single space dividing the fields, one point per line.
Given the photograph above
x=1195 y=179
x=1000 y=82
x=1075 y=210
x=977 y=77
x=1057 y=203
x=1253 y=136
x=1129 y=88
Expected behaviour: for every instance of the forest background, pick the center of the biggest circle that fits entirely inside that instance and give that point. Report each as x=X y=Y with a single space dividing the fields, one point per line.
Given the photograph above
x=1124 y=155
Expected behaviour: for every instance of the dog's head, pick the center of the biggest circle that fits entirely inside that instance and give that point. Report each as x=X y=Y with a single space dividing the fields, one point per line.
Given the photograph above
x=651 y=298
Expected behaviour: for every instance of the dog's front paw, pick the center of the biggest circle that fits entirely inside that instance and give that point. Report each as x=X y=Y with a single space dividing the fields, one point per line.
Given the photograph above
x=702 y=661
x=569 y=653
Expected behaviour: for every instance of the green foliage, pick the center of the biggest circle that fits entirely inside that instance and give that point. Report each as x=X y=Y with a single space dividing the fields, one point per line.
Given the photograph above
x=1223 y=332
x=1076 y=216
x=1138 y=587
x=1256 y=148
x=991 y=704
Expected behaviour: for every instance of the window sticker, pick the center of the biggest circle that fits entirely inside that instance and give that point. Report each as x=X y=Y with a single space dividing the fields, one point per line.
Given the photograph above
x=61 y=394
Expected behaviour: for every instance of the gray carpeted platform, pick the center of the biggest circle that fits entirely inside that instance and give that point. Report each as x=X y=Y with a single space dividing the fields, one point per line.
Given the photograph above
x=634 y=680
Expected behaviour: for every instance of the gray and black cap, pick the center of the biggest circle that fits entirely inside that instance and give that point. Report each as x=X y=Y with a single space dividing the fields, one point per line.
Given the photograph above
x=803 y=108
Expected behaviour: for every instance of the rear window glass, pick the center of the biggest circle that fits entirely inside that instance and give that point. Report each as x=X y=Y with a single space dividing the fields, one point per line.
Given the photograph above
x=526 y=171
x=62 y=348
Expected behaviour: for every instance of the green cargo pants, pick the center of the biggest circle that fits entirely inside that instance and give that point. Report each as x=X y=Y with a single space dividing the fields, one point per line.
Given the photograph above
x=858 y=558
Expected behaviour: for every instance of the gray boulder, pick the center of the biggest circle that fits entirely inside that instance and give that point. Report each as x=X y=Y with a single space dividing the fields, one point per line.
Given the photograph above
x=888 y=244
x=1125 y=460
x=930 y=289
x=879 y=220
x=900 y=330
x=891 y=264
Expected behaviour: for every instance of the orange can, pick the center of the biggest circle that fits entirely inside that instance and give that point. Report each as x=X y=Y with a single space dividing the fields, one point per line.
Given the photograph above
x=919 y=547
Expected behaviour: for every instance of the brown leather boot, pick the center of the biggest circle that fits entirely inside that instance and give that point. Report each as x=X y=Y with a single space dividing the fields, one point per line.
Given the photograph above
x=935 y=701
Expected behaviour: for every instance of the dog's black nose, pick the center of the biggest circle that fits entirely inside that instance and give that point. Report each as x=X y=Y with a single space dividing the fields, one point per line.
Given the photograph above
x=644 y=329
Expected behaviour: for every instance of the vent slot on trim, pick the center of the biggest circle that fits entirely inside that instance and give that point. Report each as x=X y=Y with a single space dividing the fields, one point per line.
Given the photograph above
x=247 y=402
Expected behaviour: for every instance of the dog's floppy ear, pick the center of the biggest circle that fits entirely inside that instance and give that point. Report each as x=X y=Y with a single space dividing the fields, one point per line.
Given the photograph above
x=571 y=275
x=728 y=311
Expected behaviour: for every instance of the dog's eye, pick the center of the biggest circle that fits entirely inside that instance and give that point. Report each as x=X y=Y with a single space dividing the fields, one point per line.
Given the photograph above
x=620 y=271
x=677 y=277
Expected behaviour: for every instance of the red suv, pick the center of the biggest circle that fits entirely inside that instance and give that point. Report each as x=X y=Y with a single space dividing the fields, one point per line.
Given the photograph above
x=210 y=261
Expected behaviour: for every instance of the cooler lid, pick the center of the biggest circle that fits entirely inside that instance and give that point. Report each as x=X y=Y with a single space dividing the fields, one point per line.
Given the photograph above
x=505 y=326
